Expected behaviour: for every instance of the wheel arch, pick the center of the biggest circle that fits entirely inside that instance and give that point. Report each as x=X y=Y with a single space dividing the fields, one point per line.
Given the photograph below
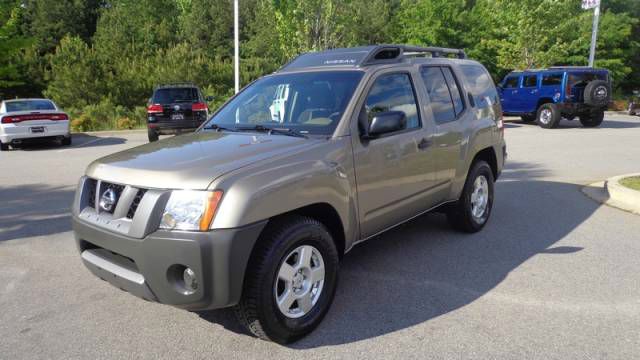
x=487 y=154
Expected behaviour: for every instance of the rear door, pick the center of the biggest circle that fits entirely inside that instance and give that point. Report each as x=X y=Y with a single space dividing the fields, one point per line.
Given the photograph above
x=394 y=173
x=551 y=86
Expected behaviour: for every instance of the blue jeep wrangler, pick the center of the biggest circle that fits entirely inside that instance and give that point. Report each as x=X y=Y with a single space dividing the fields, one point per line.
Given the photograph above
x=548 y=95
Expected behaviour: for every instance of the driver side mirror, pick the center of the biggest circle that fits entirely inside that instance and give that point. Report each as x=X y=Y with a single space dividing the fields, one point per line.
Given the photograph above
x=384 y=123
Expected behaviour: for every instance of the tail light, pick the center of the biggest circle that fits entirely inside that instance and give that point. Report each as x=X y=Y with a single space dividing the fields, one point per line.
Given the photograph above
x=199 y=107
x=154 y=109
x=12 y=119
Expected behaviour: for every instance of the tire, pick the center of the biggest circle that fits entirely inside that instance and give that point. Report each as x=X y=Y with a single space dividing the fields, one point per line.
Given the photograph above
x=548 y=116
x=592 y=120
x=597 y=93
x=4 y=147
x=66 y=141
x=153 y=135
x=461 y=214
x=528 y=118
x=630 y=111
x=258 y=310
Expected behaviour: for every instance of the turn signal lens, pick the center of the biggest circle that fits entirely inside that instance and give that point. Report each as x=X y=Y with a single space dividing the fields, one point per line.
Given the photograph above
x=213 y=199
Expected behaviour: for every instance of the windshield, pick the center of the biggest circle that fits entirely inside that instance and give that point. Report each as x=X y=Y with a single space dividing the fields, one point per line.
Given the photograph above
x=308 y=103
x=29 y=105
x=175 y=95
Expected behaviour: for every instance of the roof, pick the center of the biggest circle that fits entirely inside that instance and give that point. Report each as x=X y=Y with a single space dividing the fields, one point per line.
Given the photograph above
x=176 y=85
x=359 y=57
x=559 y=68
x=26 y=99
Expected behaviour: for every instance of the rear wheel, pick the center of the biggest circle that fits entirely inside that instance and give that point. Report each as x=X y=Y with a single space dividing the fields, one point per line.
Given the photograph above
x=291 y=280
x=472 y=210
x=153 y=135
x=548 y=116
x=594 y=119
x=4 y=147
x=66 y=141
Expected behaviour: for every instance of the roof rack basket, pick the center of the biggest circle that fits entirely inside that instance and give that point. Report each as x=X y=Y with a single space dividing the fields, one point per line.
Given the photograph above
x=394 y=53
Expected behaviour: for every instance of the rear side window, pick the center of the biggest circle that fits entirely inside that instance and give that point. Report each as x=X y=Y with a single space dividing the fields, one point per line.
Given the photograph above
x=511 y=82
x=530 y=81
x=480 y=85
x=175 y=95
x=29 y=105
x=454 y=89
x=439 y=96
x=552 y=79
x=393 y=92
x=581 y=79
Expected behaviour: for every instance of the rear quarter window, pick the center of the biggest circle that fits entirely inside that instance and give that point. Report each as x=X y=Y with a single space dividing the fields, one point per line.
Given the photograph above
x=551 y=79
x=480 y=85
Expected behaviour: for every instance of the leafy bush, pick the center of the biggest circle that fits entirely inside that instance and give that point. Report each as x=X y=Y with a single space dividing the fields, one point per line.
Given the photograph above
x=125 y=123
x=82 y=123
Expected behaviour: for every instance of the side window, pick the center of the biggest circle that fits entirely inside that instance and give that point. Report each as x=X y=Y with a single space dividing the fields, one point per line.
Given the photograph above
x=439 y=96
x=454 y=89
x=552 y=79
x=479 y=83
x=393 y=92
x=512 y=82
x=530 y=81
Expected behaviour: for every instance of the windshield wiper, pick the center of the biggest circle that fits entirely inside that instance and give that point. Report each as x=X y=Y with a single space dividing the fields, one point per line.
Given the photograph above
x=217 y=127
x=269 y=130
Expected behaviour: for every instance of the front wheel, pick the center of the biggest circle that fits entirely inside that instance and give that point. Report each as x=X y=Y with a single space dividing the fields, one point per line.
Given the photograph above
x=4 y=147
x=291 y=280
x=593 y=119
x=472 y=210
x=548 y=116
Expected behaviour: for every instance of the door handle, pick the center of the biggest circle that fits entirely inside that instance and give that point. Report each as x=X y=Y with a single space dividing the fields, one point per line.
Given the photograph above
x=423 y=144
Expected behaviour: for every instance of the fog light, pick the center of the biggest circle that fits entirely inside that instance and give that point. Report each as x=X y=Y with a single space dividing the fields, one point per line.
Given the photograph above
x=190 y=281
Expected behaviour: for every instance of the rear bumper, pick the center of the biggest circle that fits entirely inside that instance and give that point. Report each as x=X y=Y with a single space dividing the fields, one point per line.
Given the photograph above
x=12 y=132
x=151 y=268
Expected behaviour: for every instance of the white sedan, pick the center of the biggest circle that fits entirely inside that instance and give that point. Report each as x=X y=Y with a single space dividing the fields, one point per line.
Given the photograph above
x=24 y=119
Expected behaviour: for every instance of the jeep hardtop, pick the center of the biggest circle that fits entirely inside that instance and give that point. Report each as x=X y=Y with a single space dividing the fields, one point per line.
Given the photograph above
x=256 y=208
x=547 y=95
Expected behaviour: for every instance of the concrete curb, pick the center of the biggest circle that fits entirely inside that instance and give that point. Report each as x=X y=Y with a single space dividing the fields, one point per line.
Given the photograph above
x=611 y=193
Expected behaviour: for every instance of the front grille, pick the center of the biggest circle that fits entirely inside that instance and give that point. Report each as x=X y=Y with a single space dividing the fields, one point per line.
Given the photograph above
x=135 y=203
x=117 y=189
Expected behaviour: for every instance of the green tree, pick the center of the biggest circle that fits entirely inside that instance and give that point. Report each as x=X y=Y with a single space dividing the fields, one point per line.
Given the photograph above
x=12 y=45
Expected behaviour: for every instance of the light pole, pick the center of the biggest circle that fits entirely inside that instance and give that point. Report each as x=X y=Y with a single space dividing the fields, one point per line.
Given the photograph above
x=593 y=4
x=236 y=46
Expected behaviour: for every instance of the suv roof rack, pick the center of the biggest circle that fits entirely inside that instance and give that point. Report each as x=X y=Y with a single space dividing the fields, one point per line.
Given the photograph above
x=368 y=55
x=177 y=84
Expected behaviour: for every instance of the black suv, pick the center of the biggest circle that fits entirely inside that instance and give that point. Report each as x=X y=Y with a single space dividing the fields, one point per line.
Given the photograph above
x=175 y=108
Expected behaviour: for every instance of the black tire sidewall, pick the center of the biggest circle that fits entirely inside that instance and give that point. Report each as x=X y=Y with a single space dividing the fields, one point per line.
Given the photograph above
x=594 y=119
x=278 y=327
x=153 y=135
x=590 y=97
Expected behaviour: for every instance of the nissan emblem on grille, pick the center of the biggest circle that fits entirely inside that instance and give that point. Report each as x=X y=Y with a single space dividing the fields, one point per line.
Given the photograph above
x=108 y=200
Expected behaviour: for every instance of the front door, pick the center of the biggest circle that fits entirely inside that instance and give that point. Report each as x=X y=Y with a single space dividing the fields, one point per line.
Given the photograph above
x=395 y=172
x=529 y=93
x=509 y=94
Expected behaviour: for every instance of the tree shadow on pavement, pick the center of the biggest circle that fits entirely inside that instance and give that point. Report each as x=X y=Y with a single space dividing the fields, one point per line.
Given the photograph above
x=34 y=210
x=424 y=269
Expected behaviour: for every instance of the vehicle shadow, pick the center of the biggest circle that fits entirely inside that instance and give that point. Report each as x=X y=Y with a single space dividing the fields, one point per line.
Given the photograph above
x=34 y=210
x=79 y=141
x=575 y=124
x=424 y=269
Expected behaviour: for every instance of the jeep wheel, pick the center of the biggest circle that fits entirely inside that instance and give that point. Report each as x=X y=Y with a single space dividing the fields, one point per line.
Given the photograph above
x=291 y=280
x=4 y=147
x=592 y=120
x=548 y=116
x=471 y=212
x=153 y=135
x=528 y=118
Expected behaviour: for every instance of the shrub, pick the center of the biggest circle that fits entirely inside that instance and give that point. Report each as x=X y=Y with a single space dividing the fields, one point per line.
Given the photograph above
x=82 y=123
x=125 y=123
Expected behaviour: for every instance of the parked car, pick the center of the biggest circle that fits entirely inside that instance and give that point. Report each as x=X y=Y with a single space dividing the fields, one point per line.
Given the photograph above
x=175 y=109
x=634 y=104
x=547 y=95
x=28 y=119
x=256 y=213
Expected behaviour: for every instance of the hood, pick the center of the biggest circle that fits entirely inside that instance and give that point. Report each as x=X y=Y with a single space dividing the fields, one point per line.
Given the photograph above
x=191 y=161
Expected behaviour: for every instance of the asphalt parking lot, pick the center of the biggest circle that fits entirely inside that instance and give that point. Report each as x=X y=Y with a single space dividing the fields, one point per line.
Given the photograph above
x=554 y=275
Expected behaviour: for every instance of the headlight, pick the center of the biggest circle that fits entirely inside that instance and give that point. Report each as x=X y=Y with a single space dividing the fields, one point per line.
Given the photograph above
x=190 y=210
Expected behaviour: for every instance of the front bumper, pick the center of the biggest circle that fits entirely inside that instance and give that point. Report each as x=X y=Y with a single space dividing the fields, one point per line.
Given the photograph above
x=151 y=267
